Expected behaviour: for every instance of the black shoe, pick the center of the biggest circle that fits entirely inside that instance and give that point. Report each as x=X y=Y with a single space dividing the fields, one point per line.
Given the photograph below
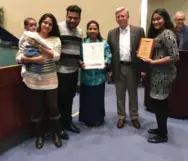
x=90 y=125
x=39 y=142
x=57 y=140
x=95 y=125
x=153 y=131
x=99 y=124
x=73 y=128
x=158 y=139
x=64 y=135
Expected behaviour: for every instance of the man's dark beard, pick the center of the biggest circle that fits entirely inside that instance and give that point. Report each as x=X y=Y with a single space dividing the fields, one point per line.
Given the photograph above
x=71 y=27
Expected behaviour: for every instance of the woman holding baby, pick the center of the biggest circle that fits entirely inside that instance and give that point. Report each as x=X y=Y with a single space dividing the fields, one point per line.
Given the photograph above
x=43 y=91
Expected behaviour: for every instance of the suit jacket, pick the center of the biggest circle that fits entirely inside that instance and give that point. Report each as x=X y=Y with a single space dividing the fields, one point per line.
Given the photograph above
x=136 y=33
x=182 y=38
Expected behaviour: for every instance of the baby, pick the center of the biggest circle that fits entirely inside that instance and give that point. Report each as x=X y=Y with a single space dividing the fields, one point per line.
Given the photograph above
x=30 y=24
x=30 y=51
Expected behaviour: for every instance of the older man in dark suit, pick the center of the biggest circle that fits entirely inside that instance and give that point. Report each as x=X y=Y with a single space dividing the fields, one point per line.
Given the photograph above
x=124 y=42
x=181 y=30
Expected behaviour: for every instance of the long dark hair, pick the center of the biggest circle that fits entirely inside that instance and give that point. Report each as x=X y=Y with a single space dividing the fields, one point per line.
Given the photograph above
x=99 y=37
x=167 y=22
x=55 y=29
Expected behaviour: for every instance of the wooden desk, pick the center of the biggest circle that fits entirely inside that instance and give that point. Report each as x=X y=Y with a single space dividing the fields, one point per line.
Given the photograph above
x=14 y=114
x=178 y=97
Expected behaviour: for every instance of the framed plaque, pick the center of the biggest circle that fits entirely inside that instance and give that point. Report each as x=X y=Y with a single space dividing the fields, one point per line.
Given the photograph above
x=146 y=48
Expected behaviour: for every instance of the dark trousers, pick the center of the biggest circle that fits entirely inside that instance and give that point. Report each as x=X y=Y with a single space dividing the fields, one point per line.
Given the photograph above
x=66 y=92
x=44 y=102
x=161 y=112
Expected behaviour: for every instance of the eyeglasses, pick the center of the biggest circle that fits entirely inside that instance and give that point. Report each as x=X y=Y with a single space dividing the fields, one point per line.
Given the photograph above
x=180 y=20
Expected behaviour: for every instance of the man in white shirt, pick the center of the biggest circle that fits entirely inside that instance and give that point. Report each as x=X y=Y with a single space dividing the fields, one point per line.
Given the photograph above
x=124 y=42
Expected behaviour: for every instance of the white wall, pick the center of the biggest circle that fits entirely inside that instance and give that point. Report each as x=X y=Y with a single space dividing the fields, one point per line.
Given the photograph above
x=101 y=10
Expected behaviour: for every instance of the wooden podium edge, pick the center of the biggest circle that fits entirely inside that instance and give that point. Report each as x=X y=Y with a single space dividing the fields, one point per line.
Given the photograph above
x=10 y=66
x=15 y=139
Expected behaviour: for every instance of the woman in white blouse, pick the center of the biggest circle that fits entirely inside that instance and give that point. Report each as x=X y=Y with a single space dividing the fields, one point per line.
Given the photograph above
x=43 y=91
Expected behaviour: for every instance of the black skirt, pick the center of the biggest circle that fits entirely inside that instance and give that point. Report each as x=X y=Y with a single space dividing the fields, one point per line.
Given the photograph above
x=92 y=110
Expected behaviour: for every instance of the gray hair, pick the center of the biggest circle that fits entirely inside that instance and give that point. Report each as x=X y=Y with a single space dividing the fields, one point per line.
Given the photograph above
x=121 y=9
x=179 y=12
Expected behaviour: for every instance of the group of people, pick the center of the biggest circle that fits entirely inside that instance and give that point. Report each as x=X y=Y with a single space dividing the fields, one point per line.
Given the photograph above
x=55 y=90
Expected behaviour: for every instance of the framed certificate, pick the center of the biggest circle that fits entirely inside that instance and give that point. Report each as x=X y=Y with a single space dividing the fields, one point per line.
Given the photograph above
x=146 y=48
x=93 y=55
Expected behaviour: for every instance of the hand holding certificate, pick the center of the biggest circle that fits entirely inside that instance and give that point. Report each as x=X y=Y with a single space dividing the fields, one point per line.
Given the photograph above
x=93 y=55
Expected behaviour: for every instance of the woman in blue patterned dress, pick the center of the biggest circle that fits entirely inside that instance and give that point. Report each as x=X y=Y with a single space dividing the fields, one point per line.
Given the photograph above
x=92 y=82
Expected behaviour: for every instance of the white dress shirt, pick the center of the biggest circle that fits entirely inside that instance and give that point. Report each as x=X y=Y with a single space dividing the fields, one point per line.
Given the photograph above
x=124 y=45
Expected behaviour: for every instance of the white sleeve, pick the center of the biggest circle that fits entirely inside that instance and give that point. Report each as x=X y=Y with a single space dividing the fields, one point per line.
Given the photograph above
x=37 y=37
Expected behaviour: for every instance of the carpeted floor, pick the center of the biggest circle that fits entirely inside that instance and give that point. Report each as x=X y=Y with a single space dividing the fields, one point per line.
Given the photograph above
x=107 y=143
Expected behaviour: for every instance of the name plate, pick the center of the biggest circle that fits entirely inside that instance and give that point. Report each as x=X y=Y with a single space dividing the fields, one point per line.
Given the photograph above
x=146 y=48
